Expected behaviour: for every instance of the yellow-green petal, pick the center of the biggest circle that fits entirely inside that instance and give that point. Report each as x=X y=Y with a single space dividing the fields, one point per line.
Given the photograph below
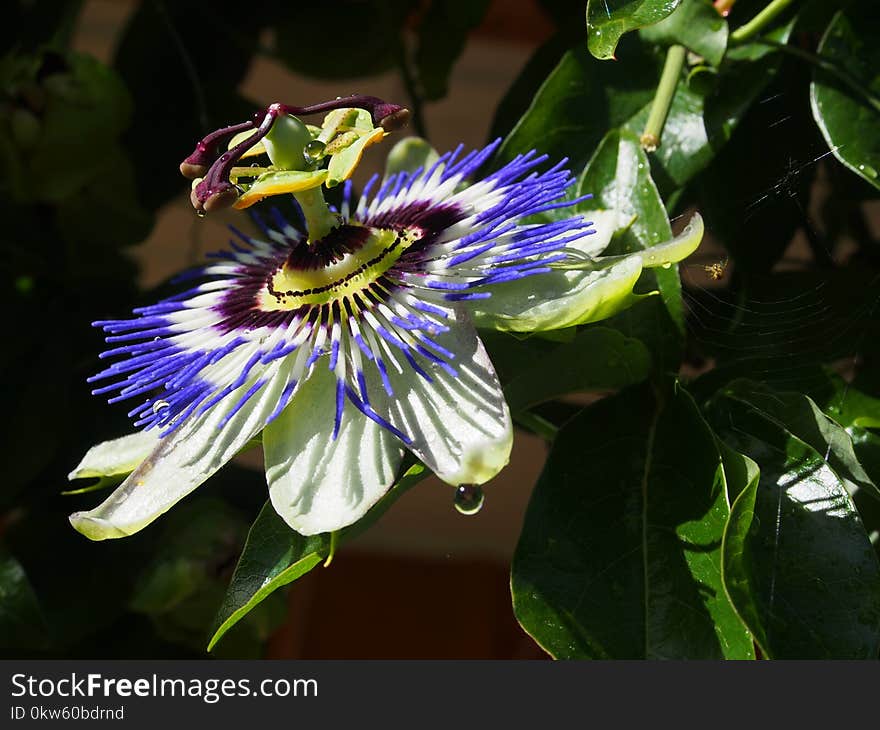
x=343 y=163
x=279 y=182
x=587 y=291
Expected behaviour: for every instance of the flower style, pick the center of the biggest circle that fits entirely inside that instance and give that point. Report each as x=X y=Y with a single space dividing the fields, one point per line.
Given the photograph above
x=346 y=348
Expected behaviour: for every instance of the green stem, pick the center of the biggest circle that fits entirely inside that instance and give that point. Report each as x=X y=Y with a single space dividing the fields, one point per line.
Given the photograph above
x=334 y=543
x=320 y=220
x=536 y=424
x=760 y=21
x=650 y=138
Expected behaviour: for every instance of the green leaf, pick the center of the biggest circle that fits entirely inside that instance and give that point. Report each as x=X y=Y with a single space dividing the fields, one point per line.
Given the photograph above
x=21 y=621
x=706 y=108
x=845 y=111
x=649 y=322
x=859 y=414
x=695 y=24
x=802 y=418
x=621 y=548
x=797 y=562
x=685 y=148
x=442 y=37
x=619 y=178
x=579 y=102
x=607 y=20
x=597 y=359
x=274 y=556
x=522 y=91
x=739 y=470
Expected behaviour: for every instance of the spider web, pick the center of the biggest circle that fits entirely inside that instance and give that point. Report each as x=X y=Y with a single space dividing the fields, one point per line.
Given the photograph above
x=815 y=307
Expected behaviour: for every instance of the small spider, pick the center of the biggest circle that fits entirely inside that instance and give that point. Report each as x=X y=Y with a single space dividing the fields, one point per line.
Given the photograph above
x=716 y=270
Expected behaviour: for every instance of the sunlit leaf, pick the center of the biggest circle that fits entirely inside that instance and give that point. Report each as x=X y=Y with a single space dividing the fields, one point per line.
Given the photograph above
x=695 y=24
x=797 y=563
x=607 y=20
x=579 y=102
x=802 y=418
x=621 y=548
x=619 y=178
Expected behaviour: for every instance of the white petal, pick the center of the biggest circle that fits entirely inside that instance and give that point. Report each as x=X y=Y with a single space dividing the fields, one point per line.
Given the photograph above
x=117 y=456
x=459 y=424
x=180 y=463
x=606 y=223
x=318 y=484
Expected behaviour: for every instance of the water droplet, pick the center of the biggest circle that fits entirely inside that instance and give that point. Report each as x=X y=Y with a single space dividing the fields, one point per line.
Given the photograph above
x=160 y=405
x=201 y=213
x=313 y=151
x=468 y=498
x=667 y=265
x=868 y=170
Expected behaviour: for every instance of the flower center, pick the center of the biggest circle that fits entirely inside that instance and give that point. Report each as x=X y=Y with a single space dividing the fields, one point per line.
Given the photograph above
x=347 y=260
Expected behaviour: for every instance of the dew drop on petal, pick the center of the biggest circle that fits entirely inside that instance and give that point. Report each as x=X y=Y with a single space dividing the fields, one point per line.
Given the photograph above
x=313 y=151
x=667 y=265
x=160 y=405
x=201 y=213
x=468 y=498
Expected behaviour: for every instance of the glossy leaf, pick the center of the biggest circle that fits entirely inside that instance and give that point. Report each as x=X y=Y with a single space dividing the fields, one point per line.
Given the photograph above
x=797 y=561
x=596 y=359
x=274 y=556
x=620 y=552
x=522 y=91
x=607 y=20
x=706 y=108
x=859 y=414
x=695 y=24
x=739 y=470
x=802 y=418
x=619 y=178
x=579 y=102
x=842 y=110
